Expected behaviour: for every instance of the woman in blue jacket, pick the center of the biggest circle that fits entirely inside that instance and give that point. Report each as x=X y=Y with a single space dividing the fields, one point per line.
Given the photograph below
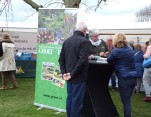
x=123 y=58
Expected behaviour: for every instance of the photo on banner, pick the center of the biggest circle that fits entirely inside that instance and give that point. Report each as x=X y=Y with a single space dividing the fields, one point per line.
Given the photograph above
x=54 y=27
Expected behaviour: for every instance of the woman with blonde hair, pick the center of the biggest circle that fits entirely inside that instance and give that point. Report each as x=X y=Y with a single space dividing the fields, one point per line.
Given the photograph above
x=122 y=56
x=7 y=62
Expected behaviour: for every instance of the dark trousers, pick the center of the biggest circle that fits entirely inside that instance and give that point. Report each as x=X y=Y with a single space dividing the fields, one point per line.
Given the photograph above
x=75 y=96
x=113 y=81
x=126 y=88
x=9 y=74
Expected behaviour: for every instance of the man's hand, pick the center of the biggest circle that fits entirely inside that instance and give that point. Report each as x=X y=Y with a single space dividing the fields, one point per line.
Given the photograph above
x=66 y=76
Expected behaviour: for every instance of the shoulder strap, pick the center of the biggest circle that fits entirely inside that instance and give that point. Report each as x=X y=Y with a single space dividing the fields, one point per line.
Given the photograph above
x=1 y=49
x=136 y=53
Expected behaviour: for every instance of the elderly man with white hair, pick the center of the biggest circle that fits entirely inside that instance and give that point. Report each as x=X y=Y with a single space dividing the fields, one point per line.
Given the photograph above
x=73 y=62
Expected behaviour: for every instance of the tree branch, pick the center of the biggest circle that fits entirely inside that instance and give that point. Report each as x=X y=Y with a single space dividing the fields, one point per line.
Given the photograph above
x=33 y=4
x=98 y=4
x=59 y=3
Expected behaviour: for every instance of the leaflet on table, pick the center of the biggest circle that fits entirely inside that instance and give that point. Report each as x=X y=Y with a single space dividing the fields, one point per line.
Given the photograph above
x=101 y=61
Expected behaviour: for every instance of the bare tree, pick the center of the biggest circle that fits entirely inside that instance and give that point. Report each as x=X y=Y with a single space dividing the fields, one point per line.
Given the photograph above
x=66 y=3
x=7 y=9
x=144 y=15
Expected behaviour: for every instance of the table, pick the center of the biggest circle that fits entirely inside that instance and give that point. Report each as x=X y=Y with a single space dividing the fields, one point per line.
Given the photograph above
x=97 y=101
x=28 y=69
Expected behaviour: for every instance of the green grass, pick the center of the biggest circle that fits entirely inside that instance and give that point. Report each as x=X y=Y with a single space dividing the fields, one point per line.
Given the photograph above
x=139 y=107
x=20 y=102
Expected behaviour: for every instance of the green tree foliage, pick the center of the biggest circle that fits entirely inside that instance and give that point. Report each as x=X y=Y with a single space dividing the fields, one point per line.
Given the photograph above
x=51 y=19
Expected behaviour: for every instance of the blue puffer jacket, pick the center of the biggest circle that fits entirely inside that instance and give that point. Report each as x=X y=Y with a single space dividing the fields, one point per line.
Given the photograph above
x=138 y=60
x=123 y=58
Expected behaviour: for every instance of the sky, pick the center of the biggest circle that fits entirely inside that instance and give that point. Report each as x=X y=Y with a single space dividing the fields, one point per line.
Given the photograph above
x=112 y=14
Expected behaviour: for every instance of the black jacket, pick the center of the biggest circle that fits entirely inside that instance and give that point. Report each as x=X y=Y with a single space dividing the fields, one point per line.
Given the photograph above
x=74 y=57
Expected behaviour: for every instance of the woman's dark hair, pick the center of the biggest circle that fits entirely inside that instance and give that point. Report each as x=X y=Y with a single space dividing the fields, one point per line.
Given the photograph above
x=6 y=38
x=147 y=43
x=138 y=47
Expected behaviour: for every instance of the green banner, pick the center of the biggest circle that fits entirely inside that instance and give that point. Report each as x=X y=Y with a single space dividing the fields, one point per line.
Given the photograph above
x=54 y=26
x=50 y=89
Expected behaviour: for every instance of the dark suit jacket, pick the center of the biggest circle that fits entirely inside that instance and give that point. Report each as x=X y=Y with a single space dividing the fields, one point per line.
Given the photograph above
x=74 y=57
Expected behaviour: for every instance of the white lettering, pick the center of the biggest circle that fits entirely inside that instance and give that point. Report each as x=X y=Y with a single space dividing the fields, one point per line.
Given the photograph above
x=45 y=51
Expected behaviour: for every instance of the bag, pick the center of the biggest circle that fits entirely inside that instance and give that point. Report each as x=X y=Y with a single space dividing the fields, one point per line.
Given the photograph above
x=147 y=63
x=1 y=49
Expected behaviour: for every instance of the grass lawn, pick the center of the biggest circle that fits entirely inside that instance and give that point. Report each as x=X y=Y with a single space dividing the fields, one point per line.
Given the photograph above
x=19 y=102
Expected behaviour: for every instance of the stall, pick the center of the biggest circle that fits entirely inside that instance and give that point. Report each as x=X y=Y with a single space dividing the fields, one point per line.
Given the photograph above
x=25 y=69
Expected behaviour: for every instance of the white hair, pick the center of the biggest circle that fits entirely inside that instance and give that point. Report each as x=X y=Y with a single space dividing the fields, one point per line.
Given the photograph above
x=81 y=26
x=93 y=31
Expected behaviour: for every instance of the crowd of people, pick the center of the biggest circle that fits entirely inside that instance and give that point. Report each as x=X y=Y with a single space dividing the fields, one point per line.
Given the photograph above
x=125 y=55
x=75 y=54
x=142 y=52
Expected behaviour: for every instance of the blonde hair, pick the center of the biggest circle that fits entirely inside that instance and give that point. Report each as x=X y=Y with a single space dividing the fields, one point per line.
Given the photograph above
x=119 y=40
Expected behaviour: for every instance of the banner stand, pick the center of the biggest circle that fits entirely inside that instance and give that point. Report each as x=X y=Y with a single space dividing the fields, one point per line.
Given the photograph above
x=55 y=25
x=49 y=107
